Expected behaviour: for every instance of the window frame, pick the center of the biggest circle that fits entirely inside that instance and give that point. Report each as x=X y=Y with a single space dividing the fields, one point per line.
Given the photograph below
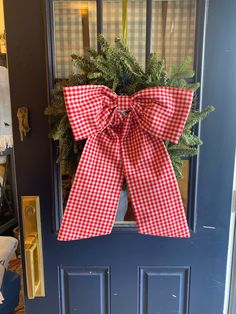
x=201 y=11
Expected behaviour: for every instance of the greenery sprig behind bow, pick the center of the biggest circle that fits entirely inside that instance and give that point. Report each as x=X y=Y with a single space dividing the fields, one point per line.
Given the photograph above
x=116 y=68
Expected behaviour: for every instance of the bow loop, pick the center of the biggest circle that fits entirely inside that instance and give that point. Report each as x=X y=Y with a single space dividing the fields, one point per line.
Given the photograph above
x=89 y=109
x=160 y=111
x=163 y=111
x=124 y=103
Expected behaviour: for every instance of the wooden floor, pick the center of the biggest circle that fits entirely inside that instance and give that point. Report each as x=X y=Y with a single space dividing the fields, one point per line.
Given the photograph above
x=15 y=265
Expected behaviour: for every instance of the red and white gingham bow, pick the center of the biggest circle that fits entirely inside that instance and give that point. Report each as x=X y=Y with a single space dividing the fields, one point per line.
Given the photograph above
x=125 y=140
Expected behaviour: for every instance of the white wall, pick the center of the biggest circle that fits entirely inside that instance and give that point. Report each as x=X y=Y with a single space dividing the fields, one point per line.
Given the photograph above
x=1 y=17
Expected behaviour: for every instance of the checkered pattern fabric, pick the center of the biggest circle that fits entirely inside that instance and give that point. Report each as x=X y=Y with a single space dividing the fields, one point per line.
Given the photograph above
x=136 y=26
x=179 y=38
x=112 y=19
x=125 y=139
x=68 y=35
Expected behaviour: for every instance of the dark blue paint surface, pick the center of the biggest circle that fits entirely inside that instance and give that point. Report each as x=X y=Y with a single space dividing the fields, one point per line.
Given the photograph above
x=121 y=273
x=84 y=290
x=163 y=290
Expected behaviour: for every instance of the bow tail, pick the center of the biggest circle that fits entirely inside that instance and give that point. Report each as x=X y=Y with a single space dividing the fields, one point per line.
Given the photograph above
x=94 y=197
x=153 y=188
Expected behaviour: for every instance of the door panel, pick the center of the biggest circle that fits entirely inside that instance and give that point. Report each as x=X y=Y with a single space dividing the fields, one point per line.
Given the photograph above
x=85 y=290
x=126 y=272
x=163 y=288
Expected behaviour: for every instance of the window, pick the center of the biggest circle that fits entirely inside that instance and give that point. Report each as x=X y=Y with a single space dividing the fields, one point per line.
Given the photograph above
x=172 y=37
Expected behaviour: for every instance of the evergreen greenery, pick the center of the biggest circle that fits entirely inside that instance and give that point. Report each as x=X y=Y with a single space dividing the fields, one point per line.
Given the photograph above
x=116 y=67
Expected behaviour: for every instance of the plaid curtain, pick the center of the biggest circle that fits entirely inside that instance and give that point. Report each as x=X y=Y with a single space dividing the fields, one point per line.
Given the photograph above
x=137 y=28
x=68 y=38
x=136 y=24
x=112 y=19
x=173 y=29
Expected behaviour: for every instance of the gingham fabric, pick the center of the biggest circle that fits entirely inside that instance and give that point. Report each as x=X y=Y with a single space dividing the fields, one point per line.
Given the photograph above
x=68 y=38
x=125 y=140
x=136 y=24
x=179 y=24
x=180 y=29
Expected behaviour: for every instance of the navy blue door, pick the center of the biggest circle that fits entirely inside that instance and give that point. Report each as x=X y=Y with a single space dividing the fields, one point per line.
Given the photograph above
x=127 y=273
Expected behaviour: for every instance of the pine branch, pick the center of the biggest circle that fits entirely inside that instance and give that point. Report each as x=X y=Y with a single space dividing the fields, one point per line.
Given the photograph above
x=156 y=71
x=177 y=164
x=183 y=152
x=195 y=116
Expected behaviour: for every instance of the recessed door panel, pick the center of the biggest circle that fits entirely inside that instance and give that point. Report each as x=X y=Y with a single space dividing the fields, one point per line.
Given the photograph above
x=84 y=290
x=163 y=290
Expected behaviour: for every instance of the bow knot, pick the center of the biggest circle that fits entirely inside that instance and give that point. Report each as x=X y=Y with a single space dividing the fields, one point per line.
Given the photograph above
x=153 y=115
x=124 y=103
